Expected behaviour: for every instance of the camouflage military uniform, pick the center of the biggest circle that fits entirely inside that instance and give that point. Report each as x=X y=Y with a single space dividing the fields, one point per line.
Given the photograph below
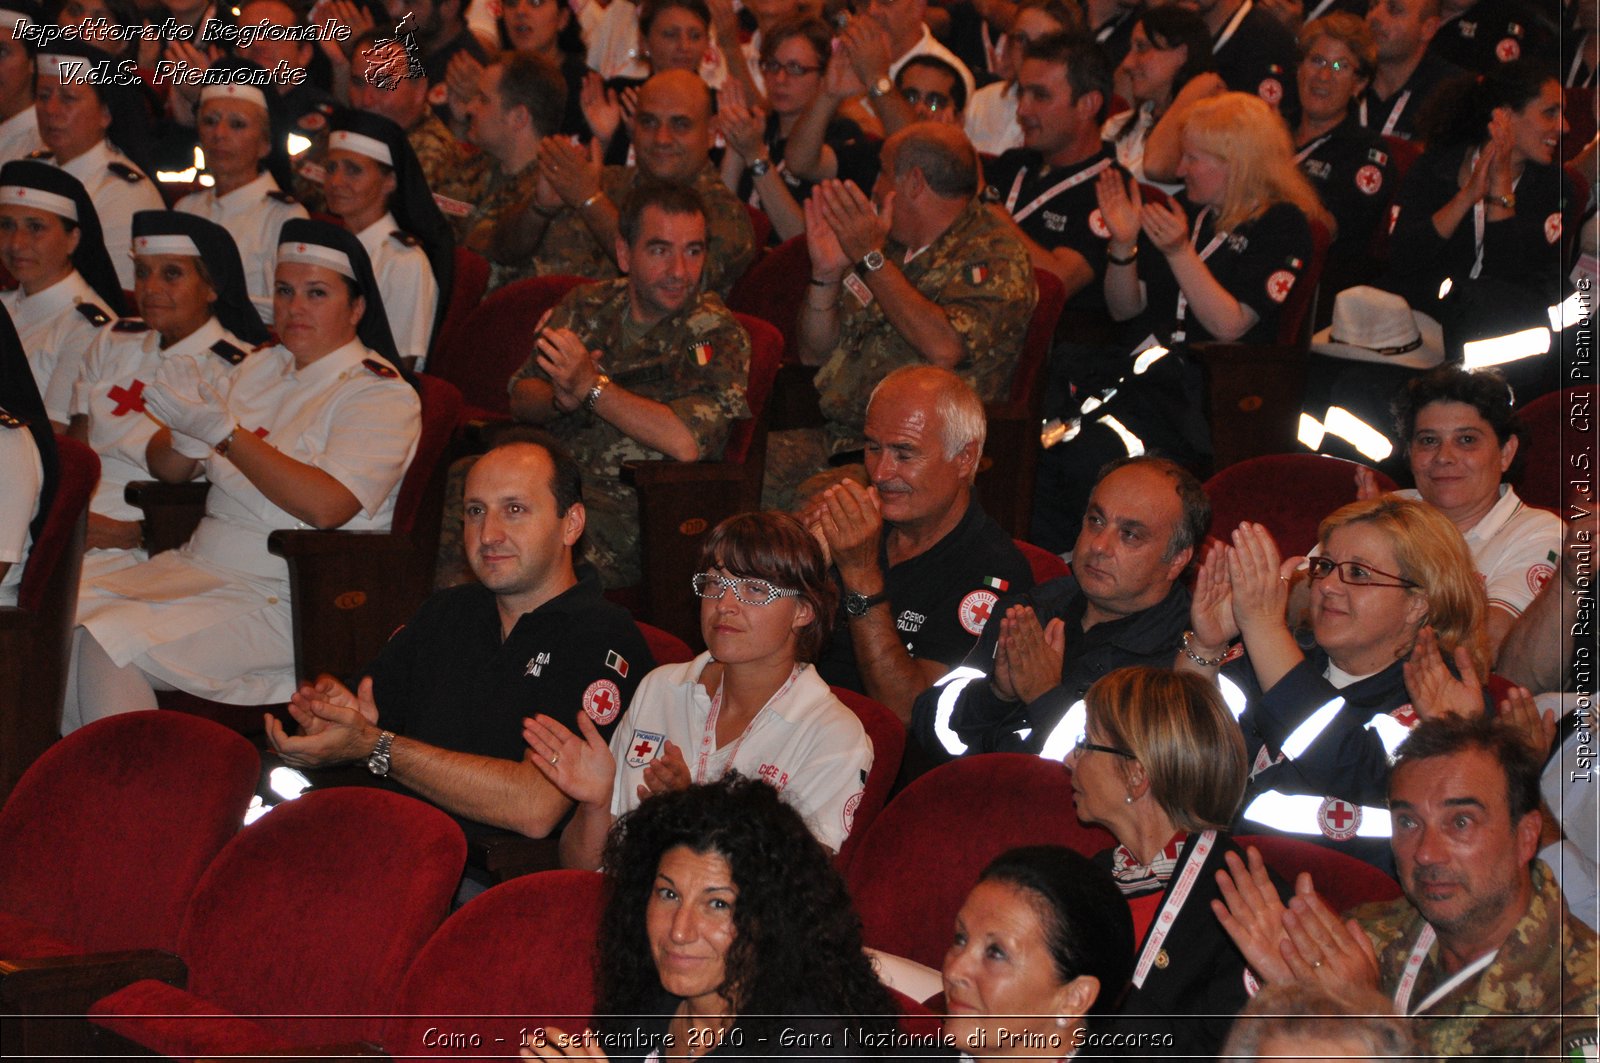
x=1515 y=1006
x=696 y=362
x=479 y=191
x=569 y=247
x=979 y=274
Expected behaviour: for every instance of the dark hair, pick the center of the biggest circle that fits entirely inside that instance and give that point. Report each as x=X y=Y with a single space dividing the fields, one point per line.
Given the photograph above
x=1069 y=15
x=777 y=547
x=814 y=30
x=1088 y=70
x=1086 y=922
x=958 y=87
x=1445 y=736
x=566 y=475
x=797 y=946
x=665 y=197
x=1458 y=110
x=1485 y=390
x=1171 y=26
x=943 y=154
x=535 y=84
x=652 y=8
x=1196 y=522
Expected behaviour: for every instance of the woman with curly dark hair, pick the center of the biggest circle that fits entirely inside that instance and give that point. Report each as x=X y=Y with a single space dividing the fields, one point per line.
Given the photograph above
x=726 y=930
x=752 y=703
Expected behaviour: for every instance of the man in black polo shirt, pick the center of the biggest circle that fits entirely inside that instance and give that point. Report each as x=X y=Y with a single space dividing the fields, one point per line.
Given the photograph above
x=1047 y=186
x=1478 y=35
x=440 y=712
x=1020 y=690
x=919 y=564
x=1254 y=52
x=1407 y=71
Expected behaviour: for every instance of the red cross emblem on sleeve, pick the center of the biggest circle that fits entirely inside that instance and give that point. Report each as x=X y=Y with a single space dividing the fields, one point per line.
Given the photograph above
x=1279 y=284
x=973 y=613
x=1369 y=179
x=1338 y=819
x=1508 y=50
x=602 y=701
x=1552 y=228
x=128 y=399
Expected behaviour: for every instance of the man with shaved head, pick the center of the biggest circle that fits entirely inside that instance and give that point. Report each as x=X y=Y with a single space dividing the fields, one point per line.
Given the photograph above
x=921 y=273
x=570 y=226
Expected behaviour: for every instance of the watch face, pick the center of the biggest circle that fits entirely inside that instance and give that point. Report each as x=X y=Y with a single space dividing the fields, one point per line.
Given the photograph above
x=378 y=763
x=873 y=261
x=855 y=604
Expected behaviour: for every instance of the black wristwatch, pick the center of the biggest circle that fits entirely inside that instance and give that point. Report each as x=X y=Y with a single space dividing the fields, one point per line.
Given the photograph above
x=856 y=605
x=759 y=167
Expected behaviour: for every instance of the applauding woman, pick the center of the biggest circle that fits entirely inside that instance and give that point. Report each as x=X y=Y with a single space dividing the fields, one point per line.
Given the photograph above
x=316 y=432
x=751 y=703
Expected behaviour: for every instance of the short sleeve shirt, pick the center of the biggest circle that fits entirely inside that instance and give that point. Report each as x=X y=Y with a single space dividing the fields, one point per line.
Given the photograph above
x=56 y=326
x=254 y=216
x=1056 y=208
x=1516 y=549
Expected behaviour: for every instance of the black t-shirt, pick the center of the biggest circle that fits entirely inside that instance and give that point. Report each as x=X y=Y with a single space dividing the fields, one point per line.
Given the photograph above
x=1397 y=116
x=1496 y=31
x=1057 y=208
x=941 y=599
x=1259 y=57
x=1351 y=172
x=447 y=679
x=1115 y=34
x=856 y=152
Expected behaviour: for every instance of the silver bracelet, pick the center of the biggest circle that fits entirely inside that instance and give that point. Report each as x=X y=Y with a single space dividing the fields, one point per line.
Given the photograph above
x=1196 y=658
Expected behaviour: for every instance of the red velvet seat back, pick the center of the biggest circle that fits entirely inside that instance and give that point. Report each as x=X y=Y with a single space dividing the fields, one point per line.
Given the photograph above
x=1343 y=881
x=773 y=288
x=1289 y=493
x=514 y=958
x=923 y=854
x=888 y=737
x=441 y=407
x=766 y=351
x=665 y=647
x=466 y=292
x=106 y=835
x=75 y=484
x=496 y=338
x=1561 y=445
x=1045 y=565
x=760 y=224
x=312 y=914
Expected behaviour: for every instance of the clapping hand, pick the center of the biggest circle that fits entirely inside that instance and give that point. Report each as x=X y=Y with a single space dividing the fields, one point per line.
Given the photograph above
x=581 y=767
x=854 y=219
x=1028 y=657
x=666 y=773
x=1120 y=205
x=571 y=367
x=182 y=398
x=1434 y=691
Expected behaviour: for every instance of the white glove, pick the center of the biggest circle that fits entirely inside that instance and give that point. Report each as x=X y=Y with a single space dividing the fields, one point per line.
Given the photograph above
x=182 y=399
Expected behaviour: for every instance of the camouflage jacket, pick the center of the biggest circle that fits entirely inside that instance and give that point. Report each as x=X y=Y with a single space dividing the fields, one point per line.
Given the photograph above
x=696 y=362
x=478 y=190
x=569 y=247
x=979 y=274
x=1537 y=997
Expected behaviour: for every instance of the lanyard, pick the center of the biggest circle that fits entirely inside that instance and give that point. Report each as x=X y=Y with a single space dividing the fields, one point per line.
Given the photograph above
x=1577 y=65
x=1050 y=193
x=1179 y=334
x=1176 y=895
x=1232 y=27
x=708 y=740
x=1408 y=976
x=1316 y=12
x=1300 y=156
x=1393 y=120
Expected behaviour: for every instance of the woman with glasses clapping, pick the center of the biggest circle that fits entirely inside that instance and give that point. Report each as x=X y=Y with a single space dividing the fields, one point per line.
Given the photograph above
x=1394 y=596
x=751 y=703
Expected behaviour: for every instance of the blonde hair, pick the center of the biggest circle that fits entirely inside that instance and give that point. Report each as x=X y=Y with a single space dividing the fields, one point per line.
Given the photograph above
x=1178 y=727
x=1252 y=140
x=1431 y=553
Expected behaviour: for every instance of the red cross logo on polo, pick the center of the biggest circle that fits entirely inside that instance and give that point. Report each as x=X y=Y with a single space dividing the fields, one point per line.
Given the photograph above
x=1538 y=576
x=1369 y=179
x=1279 y=284
x=1552 y=228
x=644 y=747
x=1097 y=224
x=1271 y=90
x=1406 y=715
x=1338 y=819
x=974 y=611
x=128 y=400
x=852 y=803
x=602 y=701
x=773 y=776
x=1508 y=50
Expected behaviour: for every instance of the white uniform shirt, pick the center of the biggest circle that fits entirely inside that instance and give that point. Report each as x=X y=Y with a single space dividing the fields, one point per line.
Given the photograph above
x=213 y=618
x=118 y=189
x=805 y=743
x=21 y=478
x=55 y=333
x=19 y=135
x=253 y=216
x=992 y=119
x=406 y=281
x=121 y=364
x=1516 y=548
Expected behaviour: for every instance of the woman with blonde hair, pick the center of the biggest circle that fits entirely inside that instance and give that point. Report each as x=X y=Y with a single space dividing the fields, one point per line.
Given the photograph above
x=1161 y=764
x=1392 y=585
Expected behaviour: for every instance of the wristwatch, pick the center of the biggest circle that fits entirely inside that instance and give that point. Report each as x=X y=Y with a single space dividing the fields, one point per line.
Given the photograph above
x=873 y=260
x=1508 y=201
x=378 y=763
x=601 y=382
x=856 y=605
x=760 y=167
x=880 y=88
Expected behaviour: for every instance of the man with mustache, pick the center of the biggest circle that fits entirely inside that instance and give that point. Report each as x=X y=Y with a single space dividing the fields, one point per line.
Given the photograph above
x=1481 y=951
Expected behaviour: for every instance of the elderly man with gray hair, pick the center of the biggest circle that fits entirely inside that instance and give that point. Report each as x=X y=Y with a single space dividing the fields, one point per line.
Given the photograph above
x=920 y=565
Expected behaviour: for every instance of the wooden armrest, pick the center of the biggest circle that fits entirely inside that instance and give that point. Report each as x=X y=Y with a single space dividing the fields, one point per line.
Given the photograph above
x=67 y=985
x=171 y=511
x=506 y=855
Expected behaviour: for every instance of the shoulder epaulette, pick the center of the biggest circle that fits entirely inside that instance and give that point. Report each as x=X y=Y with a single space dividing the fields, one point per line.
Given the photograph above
x=262 y=346
x=8 y=420
x=281 y=196
x=128 y=173
x=94 y=314
x=227 y=352
x=128 y=324
x=42 y=153
x=377 y=368
x=405 y=238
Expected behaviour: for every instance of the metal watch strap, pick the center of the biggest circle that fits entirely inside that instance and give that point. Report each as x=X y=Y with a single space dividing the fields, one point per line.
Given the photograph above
x=590 y=400
x=378 y=762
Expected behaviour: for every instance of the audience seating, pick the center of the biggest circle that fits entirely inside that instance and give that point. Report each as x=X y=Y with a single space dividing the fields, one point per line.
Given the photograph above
x=466 y=292
x=350 y=589
x=665 y=647
x=36 y=633
x=888 y=736
x=1258 y=490
x=761 y=225
x=916 y=863
x=301 y=930
x=773 y=288
x=105 y=839
x=1561 y=445
x=1343 y=881
x=1045 y=565
x=1254 y=391
x=679 y=502
x=1011 y=453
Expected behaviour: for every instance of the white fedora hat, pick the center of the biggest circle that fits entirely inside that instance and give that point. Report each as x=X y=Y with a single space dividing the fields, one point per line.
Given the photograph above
x=1372 y=325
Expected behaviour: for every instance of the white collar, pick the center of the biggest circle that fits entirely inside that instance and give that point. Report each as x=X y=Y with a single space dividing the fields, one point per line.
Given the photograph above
x=377 y=232
x=197 y=342
x=66 y=292
x=1492 y=522
x=246 y=194
x=332 y=364
x=90 y=163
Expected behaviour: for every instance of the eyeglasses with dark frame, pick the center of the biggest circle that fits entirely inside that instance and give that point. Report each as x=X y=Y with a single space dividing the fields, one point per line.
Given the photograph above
x=747 y=590
x=936 y=101
x=1083 y=745
x=1355 y=574
x=770 y=67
